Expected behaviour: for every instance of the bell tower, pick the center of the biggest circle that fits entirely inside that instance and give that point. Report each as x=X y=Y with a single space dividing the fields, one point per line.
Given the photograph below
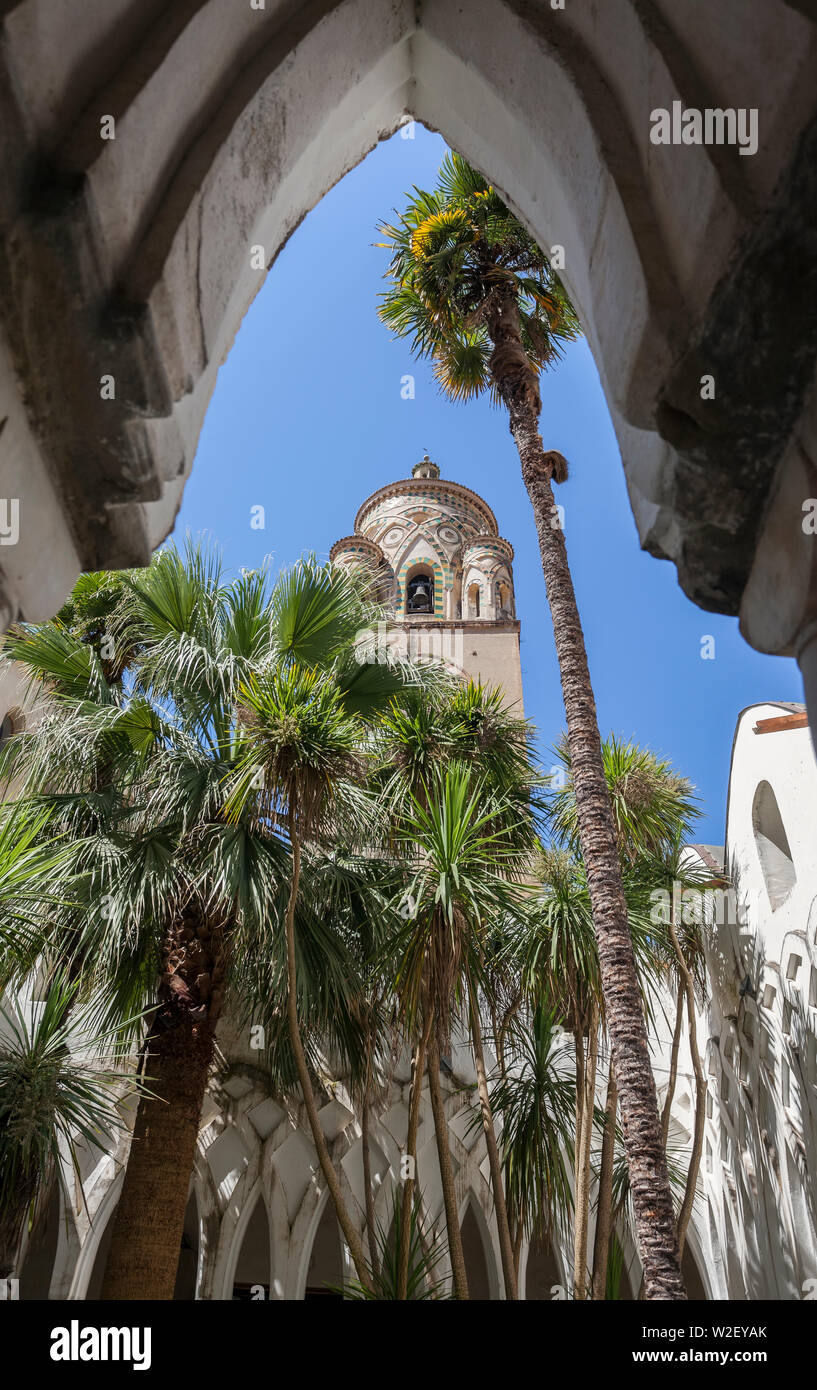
x=434 y=552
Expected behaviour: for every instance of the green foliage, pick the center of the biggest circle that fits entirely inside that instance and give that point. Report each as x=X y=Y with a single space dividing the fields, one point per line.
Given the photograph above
x=424 y=1283
x=30 y=863
x=302 y=743
x=653 y=806
x=54 y=1094
x=455 y=251
x=457 y=840
x=535 y=1100
x=144 y=787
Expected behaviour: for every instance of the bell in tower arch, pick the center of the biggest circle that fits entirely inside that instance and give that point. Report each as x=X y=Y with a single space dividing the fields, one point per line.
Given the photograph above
x=420 y=594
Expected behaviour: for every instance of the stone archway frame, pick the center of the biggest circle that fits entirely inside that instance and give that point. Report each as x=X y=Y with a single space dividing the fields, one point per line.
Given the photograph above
x=86 y=1258
x=231 y=1239
x=310 y=1215
x=217 y=1267
x=203 y=1189
x=78 y=1245
x=478 y=1198
x=695 y=1242
x=560 y=1260
x=121 y=259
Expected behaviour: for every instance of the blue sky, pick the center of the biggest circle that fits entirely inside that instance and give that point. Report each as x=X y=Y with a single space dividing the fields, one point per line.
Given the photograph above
x=307 y=419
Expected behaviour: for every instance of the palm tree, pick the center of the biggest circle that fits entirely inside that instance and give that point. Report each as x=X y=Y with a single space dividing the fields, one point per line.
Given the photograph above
x=535 y=1099
x=556 y=954
x=558 y=958
x=653 y=812
x=178 y=895
x=311 y=744
x=476 y=294
x=308 y=745
x=465 y=725
x=464 y=863
x=423 y=1283
x=652 y=804
x=669 y=870
x=52 y=1097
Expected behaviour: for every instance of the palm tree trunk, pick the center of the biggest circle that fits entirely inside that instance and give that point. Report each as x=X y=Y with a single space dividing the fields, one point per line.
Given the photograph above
x=345 y=1222
x=411 y=1150
x=578 y=1048
x=641 y=1125
x=700 y=1092
x=149 y=1220
x=517 y=1247
x=455 y=1251
x=503 y=1229
x=176 y=1057
x=604 y=1207
x=582 y=1196
x=371 y=1229
x=673 y=1065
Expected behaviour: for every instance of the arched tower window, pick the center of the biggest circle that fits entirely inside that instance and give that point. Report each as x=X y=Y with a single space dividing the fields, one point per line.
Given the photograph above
x=420 y=593
x=473 y=600
x=772 y=846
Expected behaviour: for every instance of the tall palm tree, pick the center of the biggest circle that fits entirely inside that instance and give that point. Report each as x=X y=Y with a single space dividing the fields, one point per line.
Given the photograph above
x=669 y=869
x=653 y=812
x=556 y=954
x=179 y=895
x=476 y=294
x=558 y=958
x=465 y=865
x=310 y=746
x=307 y=744
x=466 y=725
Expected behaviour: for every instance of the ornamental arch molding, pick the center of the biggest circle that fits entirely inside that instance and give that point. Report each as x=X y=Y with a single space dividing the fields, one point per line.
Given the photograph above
x=136 y=257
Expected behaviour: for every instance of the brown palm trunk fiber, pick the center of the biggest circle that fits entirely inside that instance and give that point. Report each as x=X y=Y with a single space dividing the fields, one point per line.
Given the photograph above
x=641 y=1125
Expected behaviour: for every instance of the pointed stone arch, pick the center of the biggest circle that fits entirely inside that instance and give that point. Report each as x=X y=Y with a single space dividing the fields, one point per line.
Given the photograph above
x=478 y=1250
x=188 y=1271
x=323 y=1259
x=40 y=1257
x=252 y=1264
x=541 y=1275
x=123 y=261
x=93 y=1253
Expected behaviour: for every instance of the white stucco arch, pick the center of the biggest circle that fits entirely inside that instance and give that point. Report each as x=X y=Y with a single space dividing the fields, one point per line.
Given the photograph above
x=223 y=1283
x=86 y=1258
x=305 y=1241
x=490 y=1242
x=563 y=1276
